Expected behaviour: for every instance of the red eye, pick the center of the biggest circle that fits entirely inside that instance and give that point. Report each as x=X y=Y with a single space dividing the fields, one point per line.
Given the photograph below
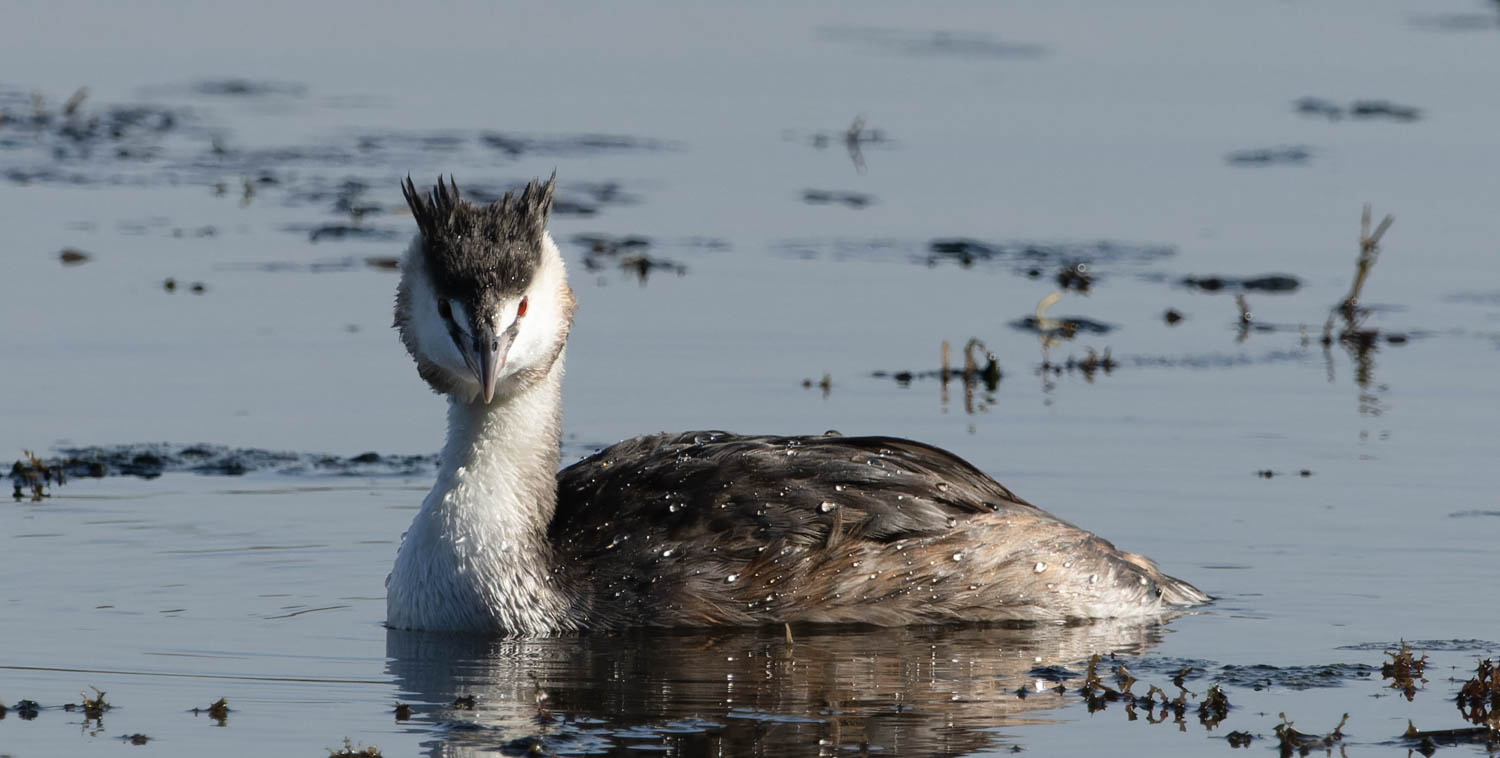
x=521 y=309
x=444 y=310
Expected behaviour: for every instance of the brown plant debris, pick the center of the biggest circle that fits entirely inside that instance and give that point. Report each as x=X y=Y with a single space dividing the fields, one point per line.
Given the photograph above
x=1214 y=708
x=31 y=477
x=1405 y=670
x=218 y=710
x=403 y=712
x=1301 y=743
x=350 y=751
x=93 y=707
x=1479 y=698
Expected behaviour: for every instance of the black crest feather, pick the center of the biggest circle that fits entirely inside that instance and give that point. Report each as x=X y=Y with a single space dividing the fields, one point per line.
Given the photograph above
x=475 y=251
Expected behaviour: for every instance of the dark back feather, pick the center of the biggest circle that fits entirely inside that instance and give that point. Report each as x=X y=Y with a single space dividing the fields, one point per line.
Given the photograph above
x=713 y=487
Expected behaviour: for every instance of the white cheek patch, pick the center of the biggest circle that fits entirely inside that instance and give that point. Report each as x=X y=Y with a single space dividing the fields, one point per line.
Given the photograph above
x=433 y=338
x=535 y=341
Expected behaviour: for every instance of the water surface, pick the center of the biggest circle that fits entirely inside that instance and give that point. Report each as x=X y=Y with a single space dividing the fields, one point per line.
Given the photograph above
x=1050 y=133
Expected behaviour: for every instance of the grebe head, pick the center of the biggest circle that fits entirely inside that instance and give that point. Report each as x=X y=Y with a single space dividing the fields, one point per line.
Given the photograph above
x=483 y=305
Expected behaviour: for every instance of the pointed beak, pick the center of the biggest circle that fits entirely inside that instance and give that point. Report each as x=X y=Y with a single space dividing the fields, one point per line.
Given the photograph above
x=486 y=358
x=491 y=350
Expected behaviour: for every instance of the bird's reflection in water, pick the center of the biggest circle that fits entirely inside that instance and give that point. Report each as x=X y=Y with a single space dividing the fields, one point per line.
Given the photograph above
x=928 y=691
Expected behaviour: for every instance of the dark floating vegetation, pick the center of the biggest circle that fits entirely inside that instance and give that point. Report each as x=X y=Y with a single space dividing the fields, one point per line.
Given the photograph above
x=981 y=370
x=628 y=254
x=135 y=739
x=1075 y=276
x=152 y=145
x=1091 y=363
x=569 y=145
x=73 y=256
x=338 y=232
x=966 y=252
x=848 y=199
x=1285 y=155
x=1265 y=283
x=1359 y=109
x=1447 y=646
x=320 y=266
x=150 y=460
x=170 y=285
x=973 y=372
x=610 y=246
x=1078 y=265
x=72 y=140
x=1065 y=327
x=248 y=88
x=1265 y=676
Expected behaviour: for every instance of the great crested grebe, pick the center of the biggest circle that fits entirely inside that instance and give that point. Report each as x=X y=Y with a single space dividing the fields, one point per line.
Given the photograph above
x=692 y=529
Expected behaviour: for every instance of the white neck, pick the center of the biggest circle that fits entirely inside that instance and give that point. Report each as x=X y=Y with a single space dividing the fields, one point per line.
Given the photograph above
x=477 y=557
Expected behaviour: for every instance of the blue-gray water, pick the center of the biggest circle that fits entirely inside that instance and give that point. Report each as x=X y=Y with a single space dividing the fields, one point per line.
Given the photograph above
x=1053 y=132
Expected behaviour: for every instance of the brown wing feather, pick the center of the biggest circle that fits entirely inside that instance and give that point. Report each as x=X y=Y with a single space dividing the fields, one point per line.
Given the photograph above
x=709 y=528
